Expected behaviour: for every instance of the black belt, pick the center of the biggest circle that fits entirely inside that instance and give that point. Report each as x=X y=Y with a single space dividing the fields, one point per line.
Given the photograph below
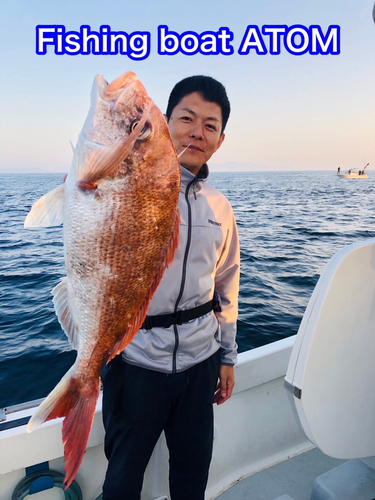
x=179 y=317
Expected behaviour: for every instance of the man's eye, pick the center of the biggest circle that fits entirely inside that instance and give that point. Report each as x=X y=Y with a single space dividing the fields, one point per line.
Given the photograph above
x=186 y=118
x=211 y=127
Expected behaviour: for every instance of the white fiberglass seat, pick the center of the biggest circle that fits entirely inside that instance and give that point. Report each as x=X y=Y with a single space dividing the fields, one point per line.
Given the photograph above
x=331 y=373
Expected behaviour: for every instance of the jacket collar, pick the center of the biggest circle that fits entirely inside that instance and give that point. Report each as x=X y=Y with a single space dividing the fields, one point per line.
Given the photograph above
x=187 y=177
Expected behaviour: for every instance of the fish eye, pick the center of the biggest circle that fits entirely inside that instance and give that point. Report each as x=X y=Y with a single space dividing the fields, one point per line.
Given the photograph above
x=144 y=133
x=133 y=125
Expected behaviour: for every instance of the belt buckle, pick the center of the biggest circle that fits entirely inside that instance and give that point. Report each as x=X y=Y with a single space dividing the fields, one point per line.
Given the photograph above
x=174 y=319
x=179 y=318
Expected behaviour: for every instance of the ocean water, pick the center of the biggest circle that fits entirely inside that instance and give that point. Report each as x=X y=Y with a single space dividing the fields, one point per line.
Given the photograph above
x=290 y=225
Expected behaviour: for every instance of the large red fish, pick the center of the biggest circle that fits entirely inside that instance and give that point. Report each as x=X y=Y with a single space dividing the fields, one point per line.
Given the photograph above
x=120 y=215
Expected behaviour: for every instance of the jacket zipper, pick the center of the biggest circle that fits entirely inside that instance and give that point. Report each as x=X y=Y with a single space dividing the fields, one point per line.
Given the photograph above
x=177 y=340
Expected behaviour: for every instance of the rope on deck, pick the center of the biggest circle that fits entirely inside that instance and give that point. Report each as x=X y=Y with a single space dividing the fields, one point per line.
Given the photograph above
x=42 y=480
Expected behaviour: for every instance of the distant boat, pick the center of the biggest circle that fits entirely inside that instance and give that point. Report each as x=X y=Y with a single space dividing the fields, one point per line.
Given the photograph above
x=353 y=173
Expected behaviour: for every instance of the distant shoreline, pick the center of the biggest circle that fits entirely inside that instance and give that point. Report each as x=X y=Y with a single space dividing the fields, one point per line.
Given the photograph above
x=212 y=171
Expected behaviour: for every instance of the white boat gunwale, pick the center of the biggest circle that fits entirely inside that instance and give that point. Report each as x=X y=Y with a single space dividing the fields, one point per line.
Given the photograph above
x=254 y=430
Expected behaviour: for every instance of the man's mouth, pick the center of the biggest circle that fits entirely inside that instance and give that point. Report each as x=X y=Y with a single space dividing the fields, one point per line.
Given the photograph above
x=194 y=148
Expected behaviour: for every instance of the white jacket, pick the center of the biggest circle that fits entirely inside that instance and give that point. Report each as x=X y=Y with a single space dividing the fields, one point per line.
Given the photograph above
x=207 y=259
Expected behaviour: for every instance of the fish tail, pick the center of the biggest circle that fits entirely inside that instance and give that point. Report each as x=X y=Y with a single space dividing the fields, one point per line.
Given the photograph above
x=75 y=400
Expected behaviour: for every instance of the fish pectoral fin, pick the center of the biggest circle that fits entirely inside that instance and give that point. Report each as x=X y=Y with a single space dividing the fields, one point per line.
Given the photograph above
x=63 y=312
x=48 y=210
x=105 y=161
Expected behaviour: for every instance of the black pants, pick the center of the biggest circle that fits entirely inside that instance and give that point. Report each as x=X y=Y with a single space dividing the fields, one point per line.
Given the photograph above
x=138 y=404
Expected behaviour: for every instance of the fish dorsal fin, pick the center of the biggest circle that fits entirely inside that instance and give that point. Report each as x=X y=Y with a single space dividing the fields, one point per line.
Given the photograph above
x=48 y=210
x=63 y=312
x=139 y=319
x=105 y=161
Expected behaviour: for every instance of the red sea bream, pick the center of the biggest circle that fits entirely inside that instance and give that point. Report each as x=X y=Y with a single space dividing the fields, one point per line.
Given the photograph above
x=119 y=209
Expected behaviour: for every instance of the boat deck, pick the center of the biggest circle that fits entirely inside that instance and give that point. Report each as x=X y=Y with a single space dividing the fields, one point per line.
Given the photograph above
x=294 y=477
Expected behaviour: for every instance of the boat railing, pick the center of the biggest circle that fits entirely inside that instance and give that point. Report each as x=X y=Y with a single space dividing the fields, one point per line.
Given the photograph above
x=8 y=410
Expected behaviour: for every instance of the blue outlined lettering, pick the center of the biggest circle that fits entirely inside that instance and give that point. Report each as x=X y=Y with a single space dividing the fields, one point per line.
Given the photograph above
x=267 y=39
x=190 y=43
x=274 y=32
x=252 y=40
x=135 y=45
x=296 y=39
x=294 y=33
x=72 y=45
x=325 y=44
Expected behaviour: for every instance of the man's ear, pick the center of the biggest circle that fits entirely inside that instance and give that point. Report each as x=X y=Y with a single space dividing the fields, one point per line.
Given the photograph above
x=221 y=139
x=165 y=117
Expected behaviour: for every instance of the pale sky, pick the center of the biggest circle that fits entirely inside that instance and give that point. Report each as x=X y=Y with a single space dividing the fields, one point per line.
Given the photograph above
x=288 y=112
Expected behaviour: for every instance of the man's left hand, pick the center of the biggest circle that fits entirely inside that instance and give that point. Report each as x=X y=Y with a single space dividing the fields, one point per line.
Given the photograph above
x=225 y=385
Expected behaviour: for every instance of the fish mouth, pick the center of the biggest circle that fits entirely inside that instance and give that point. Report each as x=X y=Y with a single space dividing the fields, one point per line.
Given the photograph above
x=120 y=83
x=110 y=91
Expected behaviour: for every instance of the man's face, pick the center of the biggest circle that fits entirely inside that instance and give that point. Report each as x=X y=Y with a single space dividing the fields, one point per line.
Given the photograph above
x=196 y=122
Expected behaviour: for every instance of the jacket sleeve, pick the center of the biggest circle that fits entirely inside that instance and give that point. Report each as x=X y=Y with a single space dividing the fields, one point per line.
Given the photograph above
x=227 y=286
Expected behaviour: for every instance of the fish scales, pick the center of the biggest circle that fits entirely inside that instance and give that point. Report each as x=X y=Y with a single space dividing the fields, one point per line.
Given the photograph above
x=121 y=220
x=101 y=252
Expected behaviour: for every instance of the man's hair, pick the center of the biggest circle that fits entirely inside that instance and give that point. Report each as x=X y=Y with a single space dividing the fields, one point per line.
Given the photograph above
x=210 y=89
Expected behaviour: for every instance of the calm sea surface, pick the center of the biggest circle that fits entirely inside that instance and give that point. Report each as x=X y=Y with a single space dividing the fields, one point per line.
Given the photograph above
x=290 y=225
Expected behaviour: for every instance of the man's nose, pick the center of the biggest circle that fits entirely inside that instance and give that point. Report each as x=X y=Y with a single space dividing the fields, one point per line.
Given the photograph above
x=196 y=131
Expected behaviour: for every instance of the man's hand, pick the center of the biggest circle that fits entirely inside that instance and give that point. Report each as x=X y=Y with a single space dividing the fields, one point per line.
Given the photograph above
x=225 y=385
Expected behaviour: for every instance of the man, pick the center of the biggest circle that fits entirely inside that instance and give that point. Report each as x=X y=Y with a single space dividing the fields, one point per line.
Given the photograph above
x=166 y=379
